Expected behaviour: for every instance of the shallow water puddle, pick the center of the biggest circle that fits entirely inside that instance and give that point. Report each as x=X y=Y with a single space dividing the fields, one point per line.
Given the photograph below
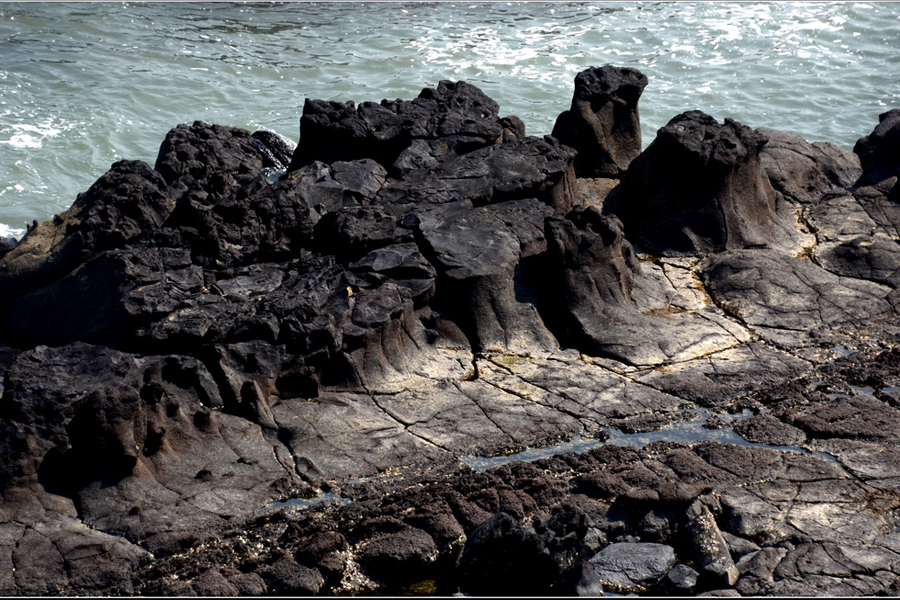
x=842 y=350
x=687 y=431
x=576 y=444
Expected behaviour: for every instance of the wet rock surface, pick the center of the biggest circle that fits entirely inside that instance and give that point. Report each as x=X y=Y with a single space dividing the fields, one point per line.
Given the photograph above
x=259 y=369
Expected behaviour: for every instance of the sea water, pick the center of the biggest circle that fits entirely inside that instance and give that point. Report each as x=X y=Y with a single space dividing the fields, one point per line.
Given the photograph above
x=83 y=85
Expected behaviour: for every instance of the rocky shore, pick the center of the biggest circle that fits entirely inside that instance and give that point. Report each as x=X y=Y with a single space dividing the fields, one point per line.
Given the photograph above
x=261 y=369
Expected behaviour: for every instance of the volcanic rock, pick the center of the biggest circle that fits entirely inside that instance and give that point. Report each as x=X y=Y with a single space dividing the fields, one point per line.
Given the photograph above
x=804 y=172
x=457 y=113
x=603 y=124
x=126 y=202
x=878 y=151
x=681 y=580
x=631 y=567
x=277 y=150
x=778 y=295
x=426 y=292
x=699 y=188
x=711 y=551
x=502 y=556
x=197 y=151
x=598 y=311
x=766 y=429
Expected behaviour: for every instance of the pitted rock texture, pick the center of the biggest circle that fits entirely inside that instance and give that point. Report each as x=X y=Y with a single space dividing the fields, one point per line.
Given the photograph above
x=603 y=124
x=699 y=188
x=196 y=348
x=452 y=119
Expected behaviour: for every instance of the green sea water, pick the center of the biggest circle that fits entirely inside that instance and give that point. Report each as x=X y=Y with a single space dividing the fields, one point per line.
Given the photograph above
x=85 y=84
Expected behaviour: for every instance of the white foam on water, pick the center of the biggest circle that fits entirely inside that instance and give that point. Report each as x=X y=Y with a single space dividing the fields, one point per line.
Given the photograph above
x=25 y=135
x=7 y=231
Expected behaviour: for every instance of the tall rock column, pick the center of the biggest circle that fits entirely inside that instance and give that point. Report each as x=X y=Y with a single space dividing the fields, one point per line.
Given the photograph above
x=603 y=124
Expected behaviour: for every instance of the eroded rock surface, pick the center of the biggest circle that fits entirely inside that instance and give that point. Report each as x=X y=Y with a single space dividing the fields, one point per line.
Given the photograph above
x=699 y=188
x=603 y=123
x=259 y=369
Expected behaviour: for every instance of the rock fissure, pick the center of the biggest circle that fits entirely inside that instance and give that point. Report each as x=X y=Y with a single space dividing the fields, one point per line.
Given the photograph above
x=525 y=396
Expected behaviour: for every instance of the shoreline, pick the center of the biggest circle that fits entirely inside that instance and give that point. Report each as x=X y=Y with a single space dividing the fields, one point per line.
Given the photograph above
x=194 y=345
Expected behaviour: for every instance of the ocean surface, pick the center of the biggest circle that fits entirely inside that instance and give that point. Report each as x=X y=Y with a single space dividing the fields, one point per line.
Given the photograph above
x=83 y=85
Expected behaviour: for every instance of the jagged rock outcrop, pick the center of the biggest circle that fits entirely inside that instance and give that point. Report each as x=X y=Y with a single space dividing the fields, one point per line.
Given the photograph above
x=603 y=124
x=699 y=189
x=452 y=119
x=255 y=369
x=129 y=199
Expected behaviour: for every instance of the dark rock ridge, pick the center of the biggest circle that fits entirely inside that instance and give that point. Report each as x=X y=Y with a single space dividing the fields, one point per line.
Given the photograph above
x=878 y=152
x=195 y=347
x=452 y=119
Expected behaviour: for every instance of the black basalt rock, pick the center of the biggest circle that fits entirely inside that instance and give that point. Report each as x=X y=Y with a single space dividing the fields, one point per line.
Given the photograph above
x=198 y=150
x=276 y=148
x=503 y=556
x=482 y=257
x=603 y=124
x=879 y=152
x=523 y=168
x=601 y=295
x=805 y=172
x=699 y=188
x=216 y=380
x=455 y=111
x=129 y=201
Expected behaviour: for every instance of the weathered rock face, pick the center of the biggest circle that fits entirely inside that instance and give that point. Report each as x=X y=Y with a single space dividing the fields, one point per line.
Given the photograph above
x=699 y=188
x=452 y=119
x=631 y=567
x=778 y=295
x=804 y=172
x=603 y=124
x=194 y=349
x=609 y=306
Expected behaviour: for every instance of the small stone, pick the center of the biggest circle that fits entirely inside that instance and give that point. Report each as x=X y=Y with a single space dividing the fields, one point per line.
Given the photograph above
x=680 y=580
